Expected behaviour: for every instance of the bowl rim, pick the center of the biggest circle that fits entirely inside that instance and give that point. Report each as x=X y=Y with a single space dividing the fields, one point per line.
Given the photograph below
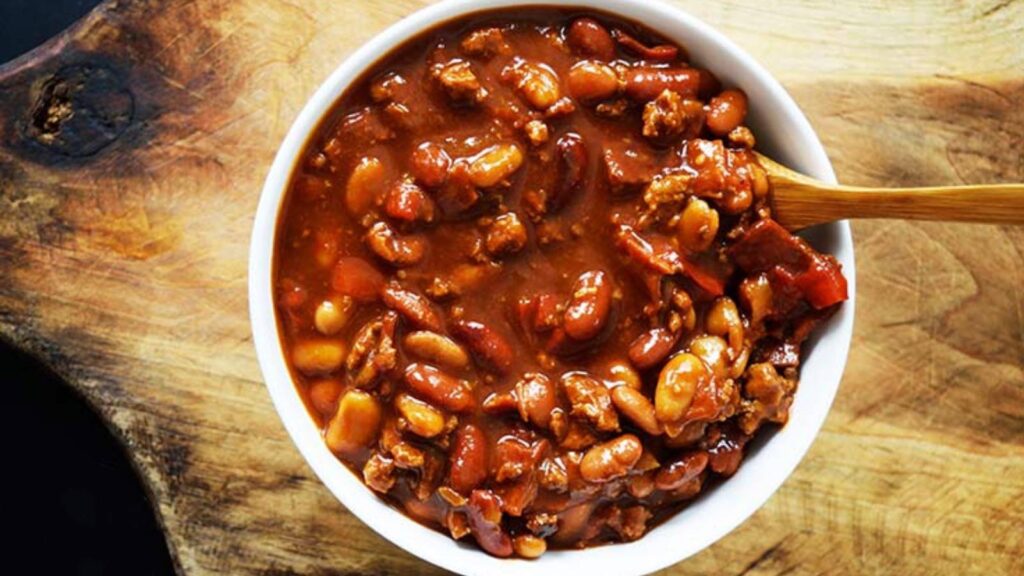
x=656 y=549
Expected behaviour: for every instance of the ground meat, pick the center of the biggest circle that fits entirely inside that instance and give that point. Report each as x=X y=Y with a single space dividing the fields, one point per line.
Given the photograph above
x=485 y=43
x=670 y=115
x=506 y=235
x=460 y=83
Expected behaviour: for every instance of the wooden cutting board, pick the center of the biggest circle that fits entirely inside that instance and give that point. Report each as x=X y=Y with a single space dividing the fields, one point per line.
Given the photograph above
x=133 y=149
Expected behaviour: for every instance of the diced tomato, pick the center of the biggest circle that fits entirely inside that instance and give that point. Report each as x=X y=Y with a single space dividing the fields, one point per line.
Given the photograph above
x=768 y=246
x=708 y=274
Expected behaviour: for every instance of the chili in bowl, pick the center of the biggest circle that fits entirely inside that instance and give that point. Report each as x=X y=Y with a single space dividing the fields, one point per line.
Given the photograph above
x=515 y=282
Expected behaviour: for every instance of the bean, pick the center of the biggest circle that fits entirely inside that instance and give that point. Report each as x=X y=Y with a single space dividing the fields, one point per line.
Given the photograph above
x=438 y=387
x=651 y=347
x=726 y=111
x=589 y=306
x=494 y=165
x=484 y=514
x=430 y=165
x=488 y=346
x=619 y=373
x=592 y=81
x=422 y=418
x=325 y=247
x=611 y=459
x=412 y=306
x=392 y=248
x=323 y=395
x=723 y=319
x=407 y=202
x=436 y=348
x=680 y=471
x=333 y=314
x=677 y=384
x=357 y=279
x=355 y=425
x=661 y=52
x=643 y=84
x=713 y=351
x=536 y=399
x=588 y=37
x=698 y=225
x=537 y=83
x=318 y=356
x=468 y=461
x=756 y=296
x=640 y=485
x=572 y=167
x=364 y=184
x=635 y=406
x=529 y=546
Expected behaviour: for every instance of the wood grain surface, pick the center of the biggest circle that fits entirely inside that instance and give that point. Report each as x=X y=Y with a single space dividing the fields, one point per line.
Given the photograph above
x=132 y=153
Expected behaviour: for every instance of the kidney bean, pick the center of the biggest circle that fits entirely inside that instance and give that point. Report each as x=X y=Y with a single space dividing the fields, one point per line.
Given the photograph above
x=484 y=514
x=677 y=384
x=489 y=347
x=651 y=347
x=364 y=185
x=681 y=470
x=394 y=249
x=659 y=53
x=407 y=202
x=612 y=459
x=726 y=111
x=430 y=165
x=495 y=164
x=422 y=418
x=572 y=167
x=536 y=398
x=468 y=461
x=324 y=394
x=644 y=83
x=412 y=306
x=355 y=425
x=635 y=406
x=589 y=306
x=588 y=37
x=318 y=356
x=592 y=81
x=440 y=388
x=357 y=279
x=436 y=348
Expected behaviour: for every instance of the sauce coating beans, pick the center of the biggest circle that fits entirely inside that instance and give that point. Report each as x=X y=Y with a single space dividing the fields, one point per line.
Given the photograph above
x=529 y=286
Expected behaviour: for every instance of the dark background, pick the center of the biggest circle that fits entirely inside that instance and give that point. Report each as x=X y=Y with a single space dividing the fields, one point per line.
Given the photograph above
x=71 y=504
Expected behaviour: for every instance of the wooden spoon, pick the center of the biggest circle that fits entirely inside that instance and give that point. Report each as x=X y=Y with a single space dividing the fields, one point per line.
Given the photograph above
x=801 y=201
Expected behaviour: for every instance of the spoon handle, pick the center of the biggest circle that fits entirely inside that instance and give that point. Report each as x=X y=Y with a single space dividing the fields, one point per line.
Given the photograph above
x=992 y=203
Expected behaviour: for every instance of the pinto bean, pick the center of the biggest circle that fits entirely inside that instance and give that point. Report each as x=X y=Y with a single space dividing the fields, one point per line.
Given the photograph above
x=635 y=406
x=436 y=348
x=488 y=346
x=677 y=384
x=588 y=37
x=713 y=351
x=536 y=399
x=529 y=546
x=756 y=296
x=440 y=388
x=415 y=308
x=324 y=394
x=364 y=185
x=394 y=249
x=643 y=84
x=357 y=279
x=619 y=373
x=355 y=425
x=612 y=459
x=536 y=82
x=681 y=470
x=422 y=418
x=333 y=314
x=651 y=347
x=698 y=225
x=468 y=461
x=494 y=165
x=430 y=165
x=723 y=319
x=726 y=111
x=592 y=81
x=589 y=306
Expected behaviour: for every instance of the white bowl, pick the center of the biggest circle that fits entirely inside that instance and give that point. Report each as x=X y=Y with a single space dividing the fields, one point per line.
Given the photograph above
x=782 y=131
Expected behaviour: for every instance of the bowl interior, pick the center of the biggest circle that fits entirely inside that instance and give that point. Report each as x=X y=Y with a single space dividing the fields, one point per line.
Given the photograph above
x=783 y=133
